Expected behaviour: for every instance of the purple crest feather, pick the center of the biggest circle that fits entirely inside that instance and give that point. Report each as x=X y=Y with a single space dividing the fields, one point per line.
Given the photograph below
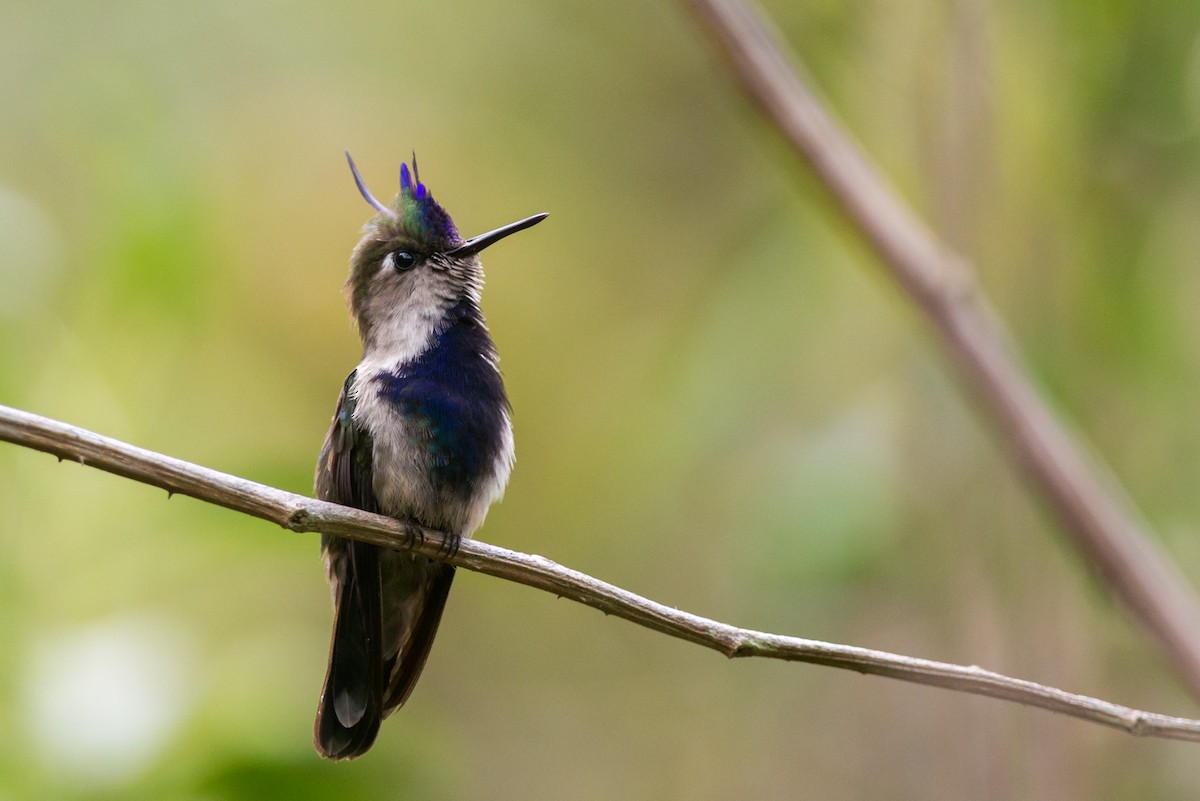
x=414 y=213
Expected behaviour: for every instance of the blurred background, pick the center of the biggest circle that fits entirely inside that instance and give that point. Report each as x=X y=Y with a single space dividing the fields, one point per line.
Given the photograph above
x=720 y=401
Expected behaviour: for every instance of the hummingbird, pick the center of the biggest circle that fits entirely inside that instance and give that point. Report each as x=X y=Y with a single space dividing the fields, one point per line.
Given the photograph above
x=421 y=433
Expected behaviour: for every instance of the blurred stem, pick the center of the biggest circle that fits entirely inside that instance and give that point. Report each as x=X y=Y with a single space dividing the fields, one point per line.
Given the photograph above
x=300 y=513
x=1087 y=499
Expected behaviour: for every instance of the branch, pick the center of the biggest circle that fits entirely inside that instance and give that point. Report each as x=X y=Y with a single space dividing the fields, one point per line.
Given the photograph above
x=1087 y=499
x=300 y=513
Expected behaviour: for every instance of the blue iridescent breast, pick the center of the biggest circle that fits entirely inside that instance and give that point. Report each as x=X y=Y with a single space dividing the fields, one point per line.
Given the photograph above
x=453 y=402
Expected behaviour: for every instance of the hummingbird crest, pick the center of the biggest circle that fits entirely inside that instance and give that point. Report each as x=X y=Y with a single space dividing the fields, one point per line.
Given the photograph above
x=414 y=215
x=420 y=217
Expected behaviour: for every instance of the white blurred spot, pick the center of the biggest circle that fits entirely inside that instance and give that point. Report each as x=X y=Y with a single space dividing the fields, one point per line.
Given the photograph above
x=104 y=701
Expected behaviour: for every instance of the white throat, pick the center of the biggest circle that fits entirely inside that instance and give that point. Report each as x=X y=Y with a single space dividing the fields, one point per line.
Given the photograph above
x=405 y=319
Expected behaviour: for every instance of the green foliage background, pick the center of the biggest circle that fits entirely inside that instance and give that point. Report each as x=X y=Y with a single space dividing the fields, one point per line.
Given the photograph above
x=719 y=400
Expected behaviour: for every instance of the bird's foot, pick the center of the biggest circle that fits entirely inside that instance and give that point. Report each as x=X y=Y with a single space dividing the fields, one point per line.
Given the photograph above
x=453 y=541
x=412 y=533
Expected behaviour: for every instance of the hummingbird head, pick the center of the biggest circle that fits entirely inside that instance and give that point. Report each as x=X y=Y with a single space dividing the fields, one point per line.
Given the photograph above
x=411 y=265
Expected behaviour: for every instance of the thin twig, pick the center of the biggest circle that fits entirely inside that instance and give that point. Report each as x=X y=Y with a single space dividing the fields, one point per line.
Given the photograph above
x=1081 y=490
x=300 y=513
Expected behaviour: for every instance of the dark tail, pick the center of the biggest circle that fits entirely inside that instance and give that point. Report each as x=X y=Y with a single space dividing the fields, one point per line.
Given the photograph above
x=351 y=706
x=376 y=658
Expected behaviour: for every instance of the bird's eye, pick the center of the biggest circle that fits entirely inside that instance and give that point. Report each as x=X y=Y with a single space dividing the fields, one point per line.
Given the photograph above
x=403 y=261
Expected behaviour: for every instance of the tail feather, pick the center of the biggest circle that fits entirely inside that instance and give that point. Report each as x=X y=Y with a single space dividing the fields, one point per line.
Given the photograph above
x=386 y=612
x=411 y=659
x=351 y=708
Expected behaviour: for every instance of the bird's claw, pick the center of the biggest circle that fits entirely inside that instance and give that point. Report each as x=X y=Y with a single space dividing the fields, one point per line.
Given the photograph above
x=452 y=543
x=413 y=533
